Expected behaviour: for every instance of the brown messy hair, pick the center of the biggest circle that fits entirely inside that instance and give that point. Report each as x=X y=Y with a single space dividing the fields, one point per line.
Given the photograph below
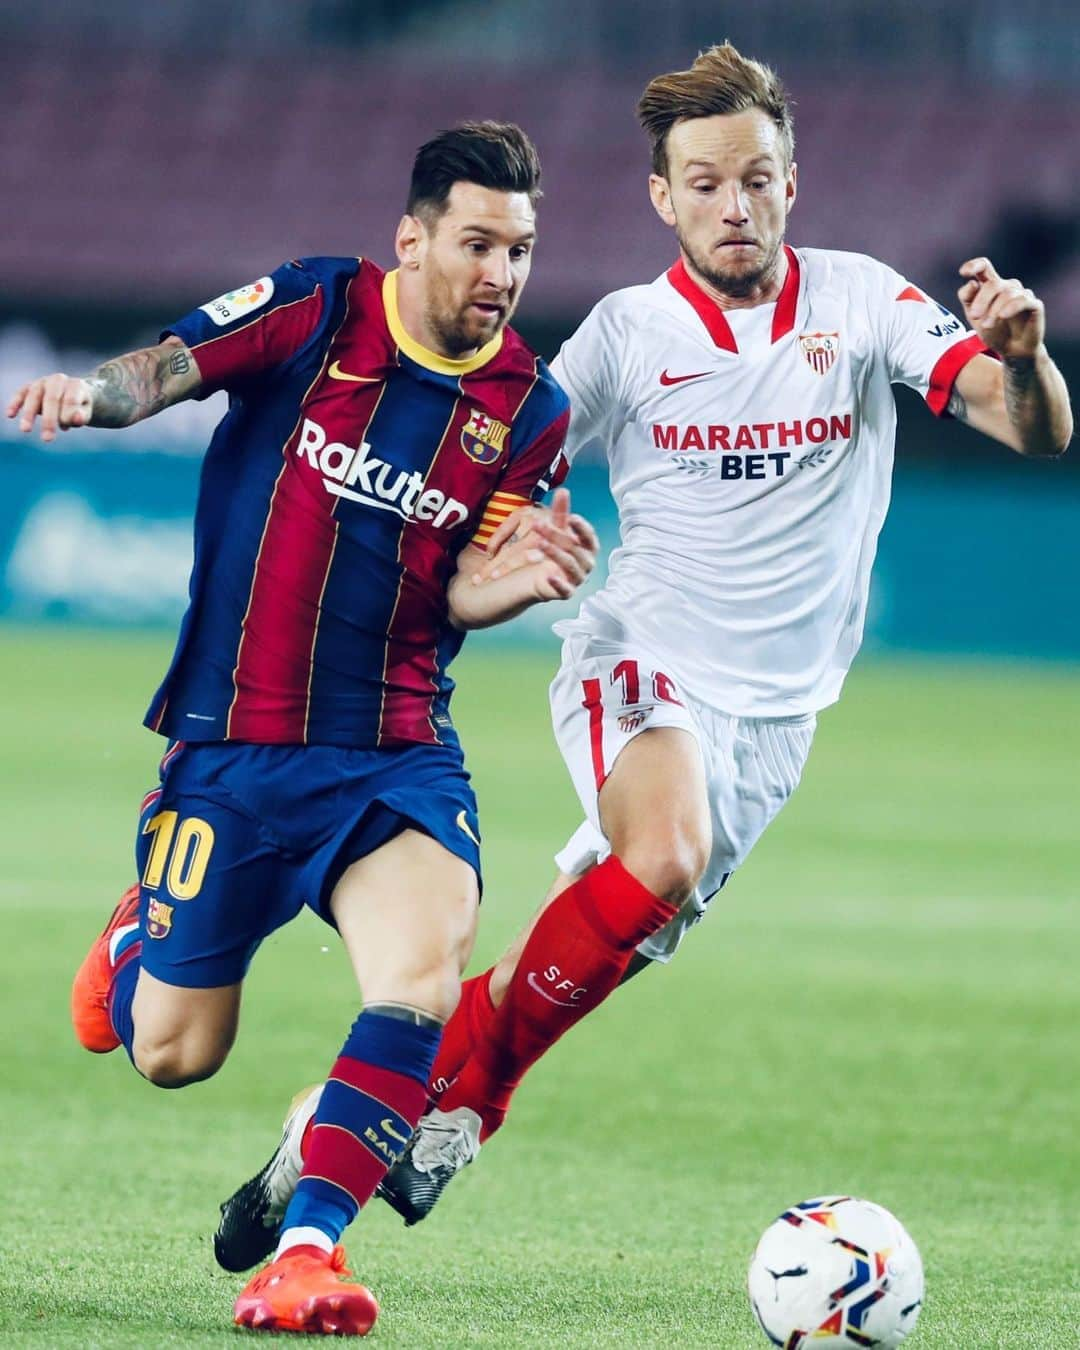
x=720 y=81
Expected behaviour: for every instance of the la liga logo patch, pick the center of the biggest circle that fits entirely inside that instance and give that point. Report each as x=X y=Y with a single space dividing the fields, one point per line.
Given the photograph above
x=236 y=304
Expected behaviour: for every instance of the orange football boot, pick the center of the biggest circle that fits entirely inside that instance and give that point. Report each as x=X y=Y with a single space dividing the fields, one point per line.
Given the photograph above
x=303 y=1290
x=90 y=989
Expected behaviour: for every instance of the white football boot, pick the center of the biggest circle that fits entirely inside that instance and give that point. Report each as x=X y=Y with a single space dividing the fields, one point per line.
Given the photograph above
x=444 y=1143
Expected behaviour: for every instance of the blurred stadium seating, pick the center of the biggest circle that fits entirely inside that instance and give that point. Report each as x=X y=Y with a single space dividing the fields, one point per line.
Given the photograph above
x=166 y=179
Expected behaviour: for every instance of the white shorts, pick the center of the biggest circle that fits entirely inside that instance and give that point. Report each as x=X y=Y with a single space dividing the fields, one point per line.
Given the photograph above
x=606 y=694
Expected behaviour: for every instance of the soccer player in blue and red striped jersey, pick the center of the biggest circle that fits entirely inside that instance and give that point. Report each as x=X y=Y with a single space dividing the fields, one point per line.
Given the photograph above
x=380 y=427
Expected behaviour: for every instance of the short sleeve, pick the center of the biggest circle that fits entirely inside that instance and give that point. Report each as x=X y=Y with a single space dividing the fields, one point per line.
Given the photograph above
x=250 y=331
x=588 y=369
x=926 y=346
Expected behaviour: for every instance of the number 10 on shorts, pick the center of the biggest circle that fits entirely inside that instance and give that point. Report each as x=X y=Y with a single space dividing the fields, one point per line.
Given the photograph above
x=180 y=853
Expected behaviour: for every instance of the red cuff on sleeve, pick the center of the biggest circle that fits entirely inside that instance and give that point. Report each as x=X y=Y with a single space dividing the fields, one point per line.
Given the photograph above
x=950 y=364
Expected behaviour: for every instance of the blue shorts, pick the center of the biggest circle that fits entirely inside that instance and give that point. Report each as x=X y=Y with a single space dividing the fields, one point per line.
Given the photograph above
x=239 y=838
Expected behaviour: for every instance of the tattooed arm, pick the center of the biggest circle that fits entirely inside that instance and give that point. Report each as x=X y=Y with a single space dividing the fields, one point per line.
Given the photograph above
x=117 y=394
x=138 y=385
x=1021 y=399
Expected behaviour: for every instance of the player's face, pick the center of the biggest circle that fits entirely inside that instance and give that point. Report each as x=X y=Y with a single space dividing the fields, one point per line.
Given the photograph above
x=474 y=260
x=727 y=195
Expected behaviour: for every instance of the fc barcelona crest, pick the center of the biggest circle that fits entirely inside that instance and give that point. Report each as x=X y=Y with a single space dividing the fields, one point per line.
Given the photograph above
x=482 y=438
x=159 y=918
x=820 y=350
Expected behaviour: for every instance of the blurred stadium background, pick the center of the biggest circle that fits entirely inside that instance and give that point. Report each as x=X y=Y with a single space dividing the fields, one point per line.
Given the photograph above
x=917 y=921
x=155 y=156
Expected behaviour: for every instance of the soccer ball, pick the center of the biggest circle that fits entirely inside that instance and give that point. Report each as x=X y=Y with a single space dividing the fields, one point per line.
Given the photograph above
x=834 y=1273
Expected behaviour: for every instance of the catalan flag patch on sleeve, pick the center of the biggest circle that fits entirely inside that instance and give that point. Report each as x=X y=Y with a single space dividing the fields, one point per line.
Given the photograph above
x=500 y=505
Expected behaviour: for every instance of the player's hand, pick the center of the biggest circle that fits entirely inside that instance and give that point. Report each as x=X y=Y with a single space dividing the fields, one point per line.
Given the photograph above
x=511 y=532
x=1007 y=315
x=561 y=547
x=61 y=401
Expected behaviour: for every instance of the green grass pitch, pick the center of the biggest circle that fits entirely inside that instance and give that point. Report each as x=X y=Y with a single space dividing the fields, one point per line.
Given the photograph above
x=885 y=1002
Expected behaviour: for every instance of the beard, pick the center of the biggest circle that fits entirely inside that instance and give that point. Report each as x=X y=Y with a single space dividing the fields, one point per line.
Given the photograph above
x=460 y=332
x=454 y=336
x=738 y=284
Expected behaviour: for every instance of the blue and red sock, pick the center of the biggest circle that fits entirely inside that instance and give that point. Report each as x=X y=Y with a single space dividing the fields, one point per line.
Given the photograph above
x=373 y=1098
x=126 y=957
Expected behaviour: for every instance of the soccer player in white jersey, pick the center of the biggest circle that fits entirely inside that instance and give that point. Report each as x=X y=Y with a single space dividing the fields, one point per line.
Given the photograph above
x=744 y=402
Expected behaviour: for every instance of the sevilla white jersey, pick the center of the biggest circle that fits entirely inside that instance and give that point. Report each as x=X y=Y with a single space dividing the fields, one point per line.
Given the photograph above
x=750 y=456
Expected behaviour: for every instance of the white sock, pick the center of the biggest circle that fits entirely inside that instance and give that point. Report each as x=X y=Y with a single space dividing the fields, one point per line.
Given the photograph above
x=304 y=1237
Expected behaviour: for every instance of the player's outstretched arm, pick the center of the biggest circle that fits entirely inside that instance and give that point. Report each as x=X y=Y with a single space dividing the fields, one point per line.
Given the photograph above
x=119 y=393
x=558 y=553
x=1022 y=399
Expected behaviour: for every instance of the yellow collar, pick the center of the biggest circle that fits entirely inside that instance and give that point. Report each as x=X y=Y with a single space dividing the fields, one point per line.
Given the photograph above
x=415 y=351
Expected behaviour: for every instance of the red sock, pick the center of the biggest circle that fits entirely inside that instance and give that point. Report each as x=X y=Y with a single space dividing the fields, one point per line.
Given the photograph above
x=465 y=1028
x=574 y=958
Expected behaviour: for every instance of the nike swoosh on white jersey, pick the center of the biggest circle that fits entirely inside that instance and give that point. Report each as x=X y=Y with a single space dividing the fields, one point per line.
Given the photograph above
x=666 y=379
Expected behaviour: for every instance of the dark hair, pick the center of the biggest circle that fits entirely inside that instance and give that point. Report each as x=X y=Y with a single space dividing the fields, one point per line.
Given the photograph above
x=721 y=80
x=495 y=155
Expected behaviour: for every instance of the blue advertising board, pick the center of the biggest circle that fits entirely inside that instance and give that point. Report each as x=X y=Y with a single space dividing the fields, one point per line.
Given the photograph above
x=967 y=563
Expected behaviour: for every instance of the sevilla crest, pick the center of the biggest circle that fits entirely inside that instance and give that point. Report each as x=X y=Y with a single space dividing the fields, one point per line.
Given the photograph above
x=630 y=721
x=820 y=350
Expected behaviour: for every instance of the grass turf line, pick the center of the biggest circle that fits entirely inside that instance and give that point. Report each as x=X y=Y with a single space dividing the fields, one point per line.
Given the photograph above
x=885 y=1003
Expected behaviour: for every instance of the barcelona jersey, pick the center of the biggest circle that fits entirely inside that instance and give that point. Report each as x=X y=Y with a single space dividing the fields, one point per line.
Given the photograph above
x=352 y=467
